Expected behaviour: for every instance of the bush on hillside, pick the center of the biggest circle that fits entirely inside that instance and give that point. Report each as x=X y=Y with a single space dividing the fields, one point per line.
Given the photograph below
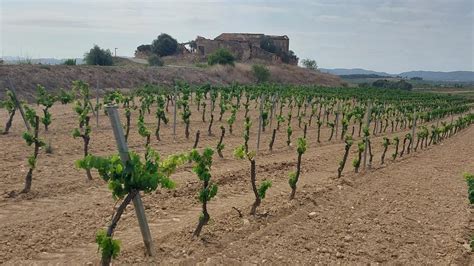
x=70 y=62
x=98 y=56
x=155 y=60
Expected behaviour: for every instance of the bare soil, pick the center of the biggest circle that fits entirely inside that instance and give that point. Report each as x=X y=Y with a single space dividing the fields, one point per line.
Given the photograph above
x=413 y=210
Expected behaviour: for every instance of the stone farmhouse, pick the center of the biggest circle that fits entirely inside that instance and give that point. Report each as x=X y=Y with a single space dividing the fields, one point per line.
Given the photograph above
x=245 y=46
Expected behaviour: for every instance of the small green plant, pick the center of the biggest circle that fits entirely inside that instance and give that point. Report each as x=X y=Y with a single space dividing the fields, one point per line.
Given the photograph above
x=32 y=139
x=65 y=97
x=280 y=119
x=385 y=144
x=220 y=145
x=126 y=180
x=289 y=132
x=209 y=129
x=331 y=126
x=242 y=152
x=360 y=149
x=82 y=109
x=397 y=142
x=231 y=119
x=294 y=176
x=369 y=145
x=409 y=138
x=143 y=130
x=202 y=168
x=319 y=123
x=345 y=126
x=348 y=140
x=160 y=115
x=46 y=100
x=10 y=106
x=186 y=114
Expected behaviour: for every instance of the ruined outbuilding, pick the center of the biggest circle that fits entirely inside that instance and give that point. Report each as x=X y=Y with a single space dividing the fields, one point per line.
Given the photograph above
x=247 y=46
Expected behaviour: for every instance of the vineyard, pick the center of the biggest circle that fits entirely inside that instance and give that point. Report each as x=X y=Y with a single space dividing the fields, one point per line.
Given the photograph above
x=255 y=173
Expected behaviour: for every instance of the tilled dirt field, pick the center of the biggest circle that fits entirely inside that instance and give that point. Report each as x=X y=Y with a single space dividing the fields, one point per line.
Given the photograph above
x=413 y=210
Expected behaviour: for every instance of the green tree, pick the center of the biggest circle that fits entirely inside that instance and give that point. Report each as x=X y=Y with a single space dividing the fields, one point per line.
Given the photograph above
x=98 y=56
x=164 y=45
x=310 y=64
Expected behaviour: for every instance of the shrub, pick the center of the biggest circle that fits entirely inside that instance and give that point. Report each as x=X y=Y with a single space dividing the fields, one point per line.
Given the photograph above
x=310 y=64
x=98 y=56
x=261 y=73
x=155 y=60
x=164 y=45
x=69 y=62
x=222 y=57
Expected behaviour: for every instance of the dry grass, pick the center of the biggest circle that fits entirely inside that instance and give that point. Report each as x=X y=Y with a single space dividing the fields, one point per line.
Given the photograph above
x=26 y=77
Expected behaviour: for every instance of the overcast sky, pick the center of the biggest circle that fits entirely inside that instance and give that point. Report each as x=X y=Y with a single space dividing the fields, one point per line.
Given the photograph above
x=382 y=35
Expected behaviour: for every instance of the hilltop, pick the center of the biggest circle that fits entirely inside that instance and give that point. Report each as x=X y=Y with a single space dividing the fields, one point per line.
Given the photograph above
x=129 y=75
x=454 y=76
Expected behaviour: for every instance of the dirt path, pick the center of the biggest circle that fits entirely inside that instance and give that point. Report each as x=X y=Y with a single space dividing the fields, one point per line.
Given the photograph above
x=57 y=222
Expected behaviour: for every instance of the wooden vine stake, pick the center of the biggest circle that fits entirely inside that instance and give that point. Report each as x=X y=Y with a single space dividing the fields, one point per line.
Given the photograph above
x=336 y=125
x=137 y=201
x=262 y=99
x=97 y=102
x=174 y=114
x=414 y=125
x=369 y=106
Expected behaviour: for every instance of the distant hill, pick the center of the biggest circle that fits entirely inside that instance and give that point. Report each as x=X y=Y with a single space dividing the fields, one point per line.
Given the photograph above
x=352 y=71
x=461 y=76
x=454 y=76
x=363 y=76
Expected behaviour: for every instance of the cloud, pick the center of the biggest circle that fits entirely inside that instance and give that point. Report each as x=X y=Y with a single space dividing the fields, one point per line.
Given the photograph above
x=49 y=23
x=387 y=35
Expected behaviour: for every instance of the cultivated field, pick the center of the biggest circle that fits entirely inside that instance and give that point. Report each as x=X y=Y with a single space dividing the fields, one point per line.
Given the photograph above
x=411 y=209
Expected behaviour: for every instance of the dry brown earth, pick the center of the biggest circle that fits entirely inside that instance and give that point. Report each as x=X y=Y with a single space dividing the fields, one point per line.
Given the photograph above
x=414 y=210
